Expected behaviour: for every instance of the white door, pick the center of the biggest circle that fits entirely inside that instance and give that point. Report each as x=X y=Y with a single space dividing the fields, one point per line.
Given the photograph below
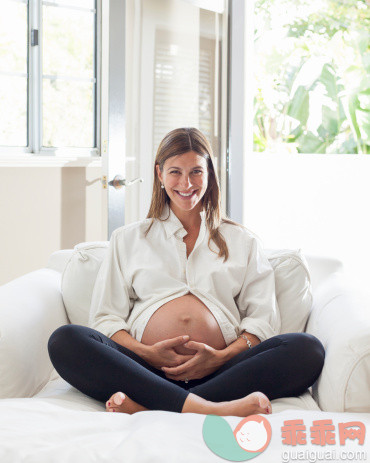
x=175 y=72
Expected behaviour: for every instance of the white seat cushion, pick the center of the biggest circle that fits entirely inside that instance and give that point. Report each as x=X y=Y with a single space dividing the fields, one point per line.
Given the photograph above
x=58 y=388
x=48 y=429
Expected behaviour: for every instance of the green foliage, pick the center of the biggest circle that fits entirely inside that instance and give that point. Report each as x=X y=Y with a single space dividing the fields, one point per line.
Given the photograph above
x=313 y=76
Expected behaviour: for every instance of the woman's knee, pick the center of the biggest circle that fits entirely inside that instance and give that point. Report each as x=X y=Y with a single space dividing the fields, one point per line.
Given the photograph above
x=307 y=350
x=63 y=335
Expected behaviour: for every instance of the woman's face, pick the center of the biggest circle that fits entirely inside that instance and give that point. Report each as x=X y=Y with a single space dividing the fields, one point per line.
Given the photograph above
x=185 y=178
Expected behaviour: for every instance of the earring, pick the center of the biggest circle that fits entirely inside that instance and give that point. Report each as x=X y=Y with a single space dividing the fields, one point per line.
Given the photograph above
x=162 y=186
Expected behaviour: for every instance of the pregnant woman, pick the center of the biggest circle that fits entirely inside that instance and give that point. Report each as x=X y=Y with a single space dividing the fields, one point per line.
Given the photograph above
x=183 y=315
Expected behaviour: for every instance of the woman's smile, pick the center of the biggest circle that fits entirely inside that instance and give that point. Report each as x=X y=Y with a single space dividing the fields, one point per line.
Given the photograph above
x=185 y=178
x=186 y=195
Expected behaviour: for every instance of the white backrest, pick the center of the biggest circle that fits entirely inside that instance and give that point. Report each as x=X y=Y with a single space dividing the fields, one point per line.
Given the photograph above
x=59 y=259
x=294 y=291
x=320 y=267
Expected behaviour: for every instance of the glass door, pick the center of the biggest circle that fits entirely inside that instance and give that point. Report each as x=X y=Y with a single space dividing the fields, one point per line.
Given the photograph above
x=175 y=76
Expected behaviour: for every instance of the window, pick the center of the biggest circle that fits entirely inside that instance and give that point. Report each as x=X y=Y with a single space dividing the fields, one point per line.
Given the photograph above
x=49 y=97
x=312 y=70
x=13 y=74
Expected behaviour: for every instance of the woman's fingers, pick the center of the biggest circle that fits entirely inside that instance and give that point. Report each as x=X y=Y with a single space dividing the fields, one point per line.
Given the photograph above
x=178 y=341
x=180 y=377
x=186 y=356
x=180 y=369
x=182 y=359
x=201 y=359
x=171 y=371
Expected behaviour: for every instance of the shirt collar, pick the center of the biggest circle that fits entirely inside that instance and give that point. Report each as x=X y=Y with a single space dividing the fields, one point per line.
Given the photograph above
x=172 y=223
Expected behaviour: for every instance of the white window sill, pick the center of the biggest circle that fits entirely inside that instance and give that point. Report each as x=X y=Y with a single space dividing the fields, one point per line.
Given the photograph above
x=28 y=160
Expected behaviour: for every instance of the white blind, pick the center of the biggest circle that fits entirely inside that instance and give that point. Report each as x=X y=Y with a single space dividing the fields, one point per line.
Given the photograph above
x=176 y=102
x=217 y=6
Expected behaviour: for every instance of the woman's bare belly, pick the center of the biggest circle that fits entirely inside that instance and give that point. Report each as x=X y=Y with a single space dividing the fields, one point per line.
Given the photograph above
x=184 y=315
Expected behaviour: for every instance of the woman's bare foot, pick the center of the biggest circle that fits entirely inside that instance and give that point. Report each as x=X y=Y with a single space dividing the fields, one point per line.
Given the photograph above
x=254 y=403
x=119 y=402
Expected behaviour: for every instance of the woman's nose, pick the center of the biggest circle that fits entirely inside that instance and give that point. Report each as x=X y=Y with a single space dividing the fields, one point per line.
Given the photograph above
x=185 y=181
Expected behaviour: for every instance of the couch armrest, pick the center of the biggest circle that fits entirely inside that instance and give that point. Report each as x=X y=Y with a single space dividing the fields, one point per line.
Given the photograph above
x=31 y=308
x=59 y=259
x=340 y=319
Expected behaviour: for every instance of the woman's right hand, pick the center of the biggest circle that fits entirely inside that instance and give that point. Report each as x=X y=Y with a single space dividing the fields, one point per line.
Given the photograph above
x=162 y=353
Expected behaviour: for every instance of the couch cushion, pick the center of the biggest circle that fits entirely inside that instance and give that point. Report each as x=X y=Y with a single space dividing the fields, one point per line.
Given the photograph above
x=340 y=319
x=58 y=388
x=293 y=288
x=79 y=277
x=292 y=279
x=31 y=308
x=63 y=428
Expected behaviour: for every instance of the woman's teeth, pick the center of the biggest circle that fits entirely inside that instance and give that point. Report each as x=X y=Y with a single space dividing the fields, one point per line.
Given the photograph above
x=185 y=195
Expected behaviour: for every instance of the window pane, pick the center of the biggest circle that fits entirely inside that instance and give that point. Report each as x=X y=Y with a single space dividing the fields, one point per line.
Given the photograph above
x=68 y=42
x=68 y=77
x=312 y=71
x=76 y=3
x=67 y=113
x=13 y=74
x=13 y=111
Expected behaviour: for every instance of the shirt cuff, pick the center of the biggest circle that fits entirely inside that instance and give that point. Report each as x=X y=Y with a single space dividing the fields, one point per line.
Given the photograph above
x=259 y=328
x=109 y=327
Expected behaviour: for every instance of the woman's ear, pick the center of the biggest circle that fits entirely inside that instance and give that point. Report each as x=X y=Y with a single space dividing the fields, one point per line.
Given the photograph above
x=159 y=173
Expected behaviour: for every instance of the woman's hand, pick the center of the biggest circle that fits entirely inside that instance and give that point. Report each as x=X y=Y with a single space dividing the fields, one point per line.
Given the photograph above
x=203 y=363
x=163 y=353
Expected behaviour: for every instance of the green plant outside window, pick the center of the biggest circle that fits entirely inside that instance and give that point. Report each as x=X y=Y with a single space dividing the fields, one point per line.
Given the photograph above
x=312 y=76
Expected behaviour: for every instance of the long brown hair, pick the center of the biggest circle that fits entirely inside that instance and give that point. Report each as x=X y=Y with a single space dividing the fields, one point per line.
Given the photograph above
x=177 y=142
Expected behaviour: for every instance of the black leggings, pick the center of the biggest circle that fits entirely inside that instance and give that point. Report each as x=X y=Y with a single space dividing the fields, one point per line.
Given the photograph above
x=282 y=366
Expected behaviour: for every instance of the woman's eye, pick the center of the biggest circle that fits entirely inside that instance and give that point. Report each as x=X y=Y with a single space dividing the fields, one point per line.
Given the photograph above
x=196 y=171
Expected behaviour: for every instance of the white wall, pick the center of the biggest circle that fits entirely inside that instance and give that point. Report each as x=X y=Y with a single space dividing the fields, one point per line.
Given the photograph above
x=44 y=209
x=318 y=202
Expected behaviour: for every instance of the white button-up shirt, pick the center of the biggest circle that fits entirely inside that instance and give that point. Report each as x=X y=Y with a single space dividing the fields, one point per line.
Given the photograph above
x=139 y=274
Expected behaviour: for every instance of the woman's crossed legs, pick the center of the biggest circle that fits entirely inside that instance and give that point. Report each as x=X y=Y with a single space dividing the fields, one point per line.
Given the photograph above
x=282 y=366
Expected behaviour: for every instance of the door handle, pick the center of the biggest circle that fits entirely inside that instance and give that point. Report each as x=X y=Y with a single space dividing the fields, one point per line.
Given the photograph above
x=119 y=182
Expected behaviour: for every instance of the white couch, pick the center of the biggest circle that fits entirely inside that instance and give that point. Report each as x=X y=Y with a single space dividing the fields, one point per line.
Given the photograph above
x=44 y=419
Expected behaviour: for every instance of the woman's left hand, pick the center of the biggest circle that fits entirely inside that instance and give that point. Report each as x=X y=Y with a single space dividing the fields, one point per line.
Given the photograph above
x=204 y=362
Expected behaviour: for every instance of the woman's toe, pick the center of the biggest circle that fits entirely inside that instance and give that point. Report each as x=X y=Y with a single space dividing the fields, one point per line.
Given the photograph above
x=114 y=401
x=264 y=403
x=118 y=398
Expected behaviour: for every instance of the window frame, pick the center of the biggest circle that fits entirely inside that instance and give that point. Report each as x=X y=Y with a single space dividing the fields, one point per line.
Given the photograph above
x=34 y=89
